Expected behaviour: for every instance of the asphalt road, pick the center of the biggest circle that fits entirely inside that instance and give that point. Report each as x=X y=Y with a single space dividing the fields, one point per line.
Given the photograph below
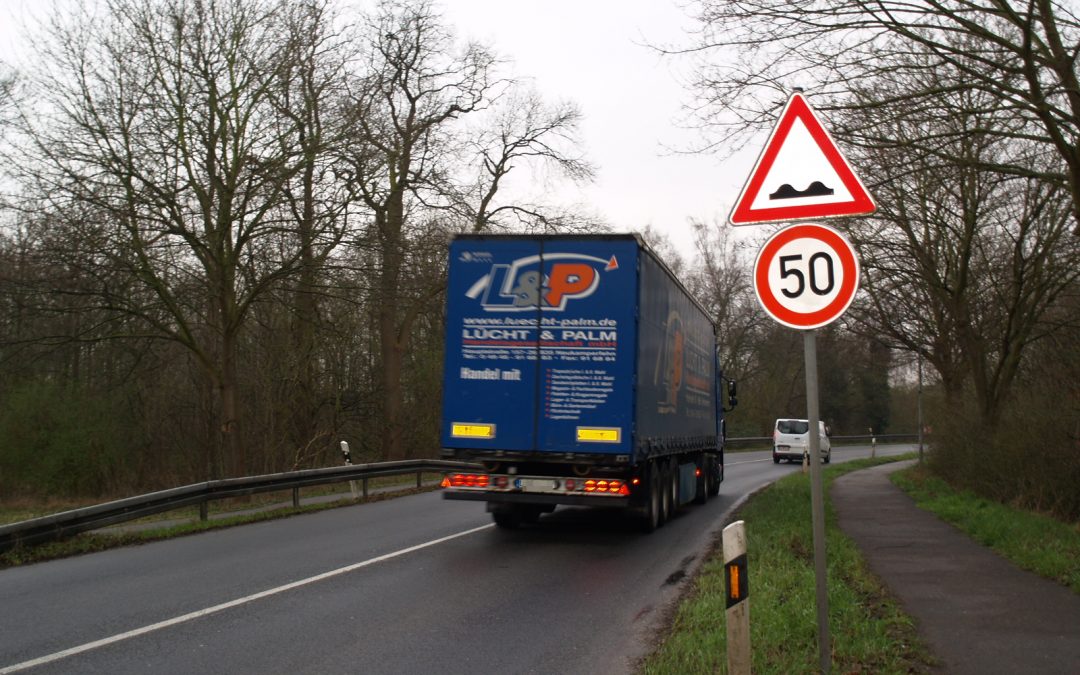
x=407 y=585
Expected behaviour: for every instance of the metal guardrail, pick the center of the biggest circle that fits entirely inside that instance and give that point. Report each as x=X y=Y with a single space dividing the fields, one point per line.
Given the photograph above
x=864 y=438
x=67 y=523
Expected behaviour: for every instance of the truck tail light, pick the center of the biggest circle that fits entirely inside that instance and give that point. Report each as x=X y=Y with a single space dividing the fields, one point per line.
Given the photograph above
x=469 y=480
x=615 y=486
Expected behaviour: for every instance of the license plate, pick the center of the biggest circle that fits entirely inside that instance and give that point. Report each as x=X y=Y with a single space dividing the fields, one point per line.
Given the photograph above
x=537 y=484
x=783 y=448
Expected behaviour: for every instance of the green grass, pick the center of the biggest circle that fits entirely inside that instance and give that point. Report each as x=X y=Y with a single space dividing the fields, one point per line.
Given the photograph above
x=869 y=632
x=1035 y=542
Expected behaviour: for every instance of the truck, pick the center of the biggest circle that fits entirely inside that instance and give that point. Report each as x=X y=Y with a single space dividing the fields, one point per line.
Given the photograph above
x=578 y=371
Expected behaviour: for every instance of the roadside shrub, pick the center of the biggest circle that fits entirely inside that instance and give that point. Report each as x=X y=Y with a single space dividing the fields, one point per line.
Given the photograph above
x=58 y=441
x=1030 y=458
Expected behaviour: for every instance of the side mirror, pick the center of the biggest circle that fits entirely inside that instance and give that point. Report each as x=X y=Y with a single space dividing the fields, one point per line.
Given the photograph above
x=733 y=399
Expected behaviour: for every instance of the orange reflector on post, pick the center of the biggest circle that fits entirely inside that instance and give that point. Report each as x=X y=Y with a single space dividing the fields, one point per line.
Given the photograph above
x=737 y=585
x=445 y=482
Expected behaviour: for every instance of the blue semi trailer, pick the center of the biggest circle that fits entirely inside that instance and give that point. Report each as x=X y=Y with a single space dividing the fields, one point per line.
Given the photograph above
x=578 y=371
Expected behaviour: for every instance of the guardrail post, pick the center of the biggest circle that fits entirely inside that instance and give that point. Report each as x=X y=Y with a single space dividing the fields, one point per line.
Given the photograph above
x=418 y=474
x=737 y=586
x=296 y=497
x=348 y=462
x=204 y=511
x=365 y=488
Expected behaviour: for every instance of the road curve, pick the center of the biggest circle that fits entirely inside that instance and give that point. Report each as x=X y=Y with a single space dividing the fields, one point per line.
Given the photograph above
x=400 y=586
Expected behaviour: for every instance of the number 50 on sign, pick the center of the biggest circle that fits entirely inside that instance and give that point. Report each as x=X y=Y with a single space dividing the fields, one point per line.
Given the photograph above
x=806 y=275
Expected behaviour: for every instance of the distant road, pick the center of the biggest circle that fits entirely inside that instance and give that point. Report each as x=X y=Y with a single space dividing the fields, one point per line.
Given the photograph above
x=406 y=585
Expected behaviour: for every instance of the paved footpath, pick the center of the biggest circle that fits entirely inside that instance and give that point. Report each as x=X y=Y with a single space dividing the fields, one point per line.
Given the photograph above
x=978 y=612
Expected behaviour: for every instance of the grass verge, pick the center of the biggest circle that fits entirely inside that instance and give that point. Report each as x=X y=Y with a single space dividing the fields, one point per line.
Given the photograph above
x=1035 y=542
x=869 y=632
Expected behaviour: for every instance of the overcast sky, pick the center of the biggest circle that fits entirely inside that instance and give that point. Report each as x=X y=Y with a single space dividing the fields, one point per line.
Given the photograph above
x=592 y=52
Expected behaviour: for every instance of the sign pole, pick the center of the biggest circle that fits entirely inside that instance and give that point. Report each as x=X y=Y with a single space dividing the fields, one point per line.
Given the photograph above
x=805 y=275
x=737 y=585
x=817 y=500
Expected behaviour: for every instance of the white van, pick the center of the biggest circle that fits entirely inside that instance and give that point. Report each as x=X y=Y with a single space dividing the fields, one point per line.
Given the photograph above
x=791 y=440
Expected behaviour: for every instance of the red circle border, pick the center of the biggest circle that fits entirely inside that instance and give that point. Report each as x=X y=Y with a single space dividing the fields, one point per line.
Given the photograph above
x=848 y=262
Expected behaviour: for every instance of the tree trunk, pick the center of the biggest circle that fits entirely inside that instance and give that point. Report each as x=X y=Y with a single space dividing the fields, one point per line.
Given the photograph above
x=391 y=346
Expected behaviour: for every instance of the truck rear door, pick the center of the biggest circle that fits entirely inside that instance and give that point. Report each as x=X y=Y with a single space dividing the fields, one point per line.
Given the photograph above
x=540 y=344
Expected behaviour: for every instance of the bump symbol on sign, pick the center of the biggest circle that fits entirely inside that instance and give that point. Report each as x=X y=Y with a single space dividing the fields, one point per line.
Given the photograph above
x=816 y=189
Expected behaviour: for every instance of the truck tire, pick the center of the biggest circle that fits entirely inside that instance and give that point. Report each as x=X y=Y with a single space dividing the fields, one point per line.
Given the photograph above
x=676 y=496
x=717 y=472
x=508 y=518
x=667 y=495
x=531 y=514
x=704 y=480
x=650 y=518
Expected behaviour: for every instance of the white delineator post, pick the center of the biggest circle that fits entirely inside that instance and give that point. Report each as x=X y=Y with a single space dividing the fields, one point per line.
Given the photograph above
x=348 y=462
x=737 y=586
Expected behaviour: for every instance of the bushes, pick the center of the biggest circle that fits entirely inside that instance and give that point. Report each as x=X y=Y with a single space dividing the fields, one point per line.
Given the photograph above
x=61 y=442
x=1029 y=458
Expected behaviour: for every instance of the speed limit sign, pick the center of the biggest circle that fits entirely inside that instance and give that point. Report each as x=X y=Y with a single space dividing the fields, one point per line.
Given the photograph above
x=806 y=275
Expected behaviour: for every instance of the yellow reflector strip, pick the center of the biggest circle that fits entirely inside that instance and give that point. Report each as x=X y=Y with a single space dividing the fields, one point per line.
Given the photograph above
x=598 y=434
x=459 y=430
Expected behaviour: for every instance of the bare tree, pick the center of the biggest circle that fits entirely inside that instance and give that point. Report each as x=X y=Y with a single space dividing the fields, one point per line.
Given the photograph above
x=525 y=133
x=421 y=171
x=163 y=149
x=962 y=265
x=1022 y=54
x=402 y=108
x=310 y=88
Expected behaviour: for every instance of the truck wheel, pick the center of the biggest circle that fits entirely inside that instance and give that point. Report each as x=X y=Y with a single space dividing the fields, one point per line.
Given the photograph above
x=650 y=519
x=531 y=514
x=717 y=476
x=508 y=518
x=673 y=471
x=667 y=497
x=701 y=490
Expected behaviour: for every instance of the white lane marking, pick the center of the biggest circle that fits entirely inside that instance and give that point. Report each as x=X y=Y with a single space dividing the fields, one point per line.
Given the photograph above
x=749 y=461
x=227 y=605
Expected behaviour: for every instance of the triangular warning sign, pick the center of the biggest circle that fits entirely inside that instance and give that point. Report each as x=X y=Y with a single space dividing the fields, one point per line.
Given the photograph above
x=800 y=174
